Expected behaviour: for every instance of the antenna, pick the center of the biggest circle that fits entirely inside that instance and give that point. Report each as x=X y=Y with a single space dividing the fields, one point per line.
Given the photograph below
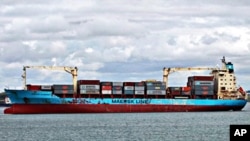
x=223 y=60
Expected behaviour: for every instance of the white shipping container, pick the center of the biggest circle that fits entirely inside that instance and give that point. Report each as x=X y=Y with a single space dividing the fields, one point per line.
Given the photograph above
x=117 y=83
x=139 y=92
x=46 y=87
x=89 y=92
x=156 y=92
x=106 y=91
x=89 y=87
x=139 y=88
x=203 y=82
x=128 y=87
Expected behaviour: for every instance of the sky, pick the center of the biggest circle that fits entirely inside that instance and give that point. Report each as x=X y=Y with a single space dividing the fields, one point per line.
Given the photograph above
x=120 y=40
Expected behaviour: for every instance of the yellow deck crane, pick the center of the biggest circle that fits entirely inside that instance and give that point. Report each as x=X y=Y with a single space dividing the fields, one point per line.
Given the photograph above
x=71 y=70
x=167 y=71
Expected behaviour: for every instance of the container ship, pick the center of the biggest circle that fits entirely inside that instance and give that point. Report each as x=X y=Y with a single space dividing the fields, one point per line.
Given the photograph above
x=214 y=92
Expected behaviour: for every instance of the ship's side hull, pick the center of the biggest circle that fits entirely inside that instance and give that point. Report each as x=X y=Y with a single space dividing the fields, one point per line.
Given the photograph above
x=123 y=108
x=26 y=96
x=39 y=102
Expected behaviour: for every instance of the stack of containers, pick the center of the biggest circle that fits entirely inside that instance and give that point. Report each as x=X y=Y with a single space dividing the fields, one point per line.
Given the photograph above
x=128 y=88
x=156 y=88
x=117 y=88
x=202 y=85
x=106 y=88
x=139 y=88
x=89 y=86
x=63 y=89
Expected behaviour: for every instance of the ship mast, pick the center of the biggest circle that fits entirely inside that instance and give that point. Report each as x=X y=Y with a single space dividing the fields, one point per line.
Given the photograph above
x=71 y=70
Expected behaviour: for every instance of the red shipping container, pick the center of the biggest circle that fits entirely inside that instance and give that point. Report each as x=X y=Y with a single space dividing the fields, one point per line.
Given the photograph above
x=175 y=93
x=64 y=91
x=106 y=87
x=88 y=82
x=34 y=87
x=186 y=89
x=65 y=87
x=128 y=83
x=203 y=78
x=139 y=84
x=186 y=93
x=106 y=83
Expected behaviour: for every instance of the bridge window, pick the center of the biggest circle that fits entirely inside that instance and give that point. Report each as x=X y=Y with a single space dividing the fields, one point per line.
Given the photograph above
x=223 y=88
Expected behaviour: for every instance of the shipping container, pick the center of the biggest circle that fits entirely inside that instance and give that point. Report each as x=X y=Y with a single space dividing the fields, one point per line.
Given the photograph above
x=88 y=82
x=33 y=87
x=118 y=92
x=139 y=92
x=203 y=87
x=128 y=83
x=89 y=92
x=129 y=92
x=202 y=78
x=157 y=83
x=139 y=84
x=197 y=92
x=185 y=89
x=186 y=93
x=106 y=87
x=106 y=83
x=57 y=91
x=117 y=88
x=89 y=87
x=128 y=87
x=156 y=87
x=175 y=88
x=139 y=88
x=46 y=87
x=117 y=83
x=203 y=83
x=156 y=92
x=175 y=92
x=106 y=92
x=63 y=87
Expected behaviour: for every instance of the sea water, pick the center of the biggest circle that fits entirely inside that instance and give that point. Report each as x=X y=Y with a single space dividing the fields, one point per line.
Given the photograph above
x=173 y=126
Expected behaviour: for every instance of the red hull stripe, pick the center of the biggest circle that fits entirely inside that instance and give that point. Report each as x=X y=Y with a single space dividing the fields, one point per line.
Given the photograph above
x=107 y=108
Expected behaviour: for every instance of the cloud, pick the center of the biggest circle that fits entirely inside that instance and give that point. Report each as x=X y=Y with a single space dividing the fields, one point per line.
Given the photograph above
x=120 y=40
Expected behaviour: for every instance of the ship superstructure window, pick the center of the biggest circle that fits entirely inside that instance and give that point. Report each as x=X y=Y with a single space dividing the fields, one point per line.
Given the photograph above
x=223 y=88
x=221 y=74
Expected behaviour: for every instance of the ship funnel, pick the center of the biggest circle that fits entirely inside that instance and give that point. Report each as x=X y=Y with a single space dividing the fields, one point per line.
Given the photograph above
x=230 y=67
